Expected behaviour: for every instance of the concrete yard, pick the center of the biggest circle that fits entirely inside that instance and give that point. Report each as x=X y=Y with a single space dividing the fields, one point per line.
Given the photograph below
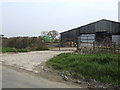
x=28 y=60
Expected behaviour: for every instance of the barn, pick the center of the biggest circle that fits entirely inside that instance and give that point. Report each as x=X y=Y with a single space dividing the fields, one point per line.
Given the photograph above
x=99 y=31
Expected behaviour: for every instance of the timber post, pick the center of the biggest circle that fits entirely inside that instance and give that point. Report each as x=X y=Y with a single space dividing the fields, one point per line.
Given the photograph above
x=78 y=42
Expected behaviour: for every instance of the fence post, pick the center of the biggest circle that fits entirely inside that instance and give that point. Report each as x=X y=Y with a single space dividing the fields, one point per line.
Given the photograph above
x=59 y=46
x=114 y=47
x=78 y=43
x=93 y=46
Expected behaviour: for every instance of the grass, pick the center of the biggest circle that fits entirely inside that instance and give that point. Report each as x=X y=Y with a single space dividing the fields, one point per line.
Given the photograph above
x=44 y=48
x=4 y=50
x=102 y=67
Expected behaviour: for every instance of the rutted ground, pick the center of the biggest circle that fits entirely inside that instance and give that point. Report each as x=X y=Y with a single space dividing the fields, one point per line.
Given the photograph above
x=28 y=60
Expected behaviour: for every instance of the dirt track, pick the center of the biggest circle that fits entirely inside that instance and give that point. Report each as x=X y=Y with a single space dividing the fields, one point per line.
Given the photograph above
x=32 y=63
x=28 y=60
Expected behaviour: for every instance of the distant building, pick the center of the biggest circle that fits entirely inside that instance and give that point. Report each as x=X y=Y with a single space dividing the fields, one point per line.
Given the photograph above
x=100 y=30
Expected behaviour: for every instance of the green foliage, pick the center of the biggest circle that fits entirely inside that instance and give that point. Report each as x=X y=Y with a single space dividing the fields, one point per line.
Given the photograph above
x=47 y=39
x=12 y=50
x=102 y=67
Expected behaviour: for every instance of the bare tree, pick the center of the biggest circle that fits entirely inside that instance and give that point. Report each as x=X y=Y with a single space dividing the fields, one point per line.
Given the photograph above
x=53 y=34
x=44 y=33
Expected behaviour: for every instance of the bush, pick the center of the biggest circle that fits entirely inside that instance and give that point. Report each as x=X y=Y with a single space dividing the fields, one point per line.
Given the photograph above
x=102 y=67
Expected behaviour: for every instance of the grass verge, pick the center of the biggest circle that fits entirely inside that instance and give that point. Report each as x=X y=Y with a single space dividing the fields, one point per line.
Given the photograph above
x=4 y=50
x=102 y=67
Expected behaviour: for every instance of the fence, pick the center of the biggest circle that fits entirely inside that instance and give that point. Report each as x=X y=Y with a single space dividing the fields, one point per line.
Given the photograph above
x=106 y=47
x=88 y=45
x=57 y=47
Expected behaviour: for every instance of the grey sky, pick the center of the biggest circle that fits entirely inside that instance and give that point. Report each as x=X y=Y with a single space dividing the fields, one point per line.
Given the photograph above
x=119 y=11
x=30 y=18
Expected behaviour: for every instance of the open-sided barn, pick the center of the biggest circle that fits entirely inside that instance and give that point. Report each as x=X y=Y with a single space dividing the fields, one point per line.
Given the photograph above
x=99 y=31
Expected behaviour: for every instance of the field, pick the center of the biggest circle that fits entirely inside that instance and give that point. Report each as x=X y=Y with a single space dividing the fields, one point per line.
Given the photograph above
x=101 y=67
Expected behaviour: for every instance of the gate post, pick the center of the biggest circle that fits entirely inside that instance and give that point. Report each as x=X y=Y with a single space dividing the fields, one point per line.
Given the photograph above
x=78 y=42
x=114 y=47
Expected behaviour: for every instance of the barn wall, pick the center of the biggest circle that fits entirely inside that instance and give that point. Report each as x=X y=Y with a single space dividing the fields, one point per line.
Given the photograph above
x=69 y=36
x=106 y=26
x=101 y=26
x=116 y=39
x=116 y=28
x=87 y=29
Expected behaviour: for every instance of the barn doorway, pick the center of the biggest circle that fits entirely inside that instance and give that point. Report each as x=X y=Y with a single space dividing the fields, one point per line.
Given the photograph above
x=103 y=38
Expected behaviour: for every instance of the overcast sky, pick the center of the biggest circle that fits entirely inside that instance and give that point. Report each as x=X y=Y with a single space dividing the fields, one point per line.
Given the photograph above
x=30 y=17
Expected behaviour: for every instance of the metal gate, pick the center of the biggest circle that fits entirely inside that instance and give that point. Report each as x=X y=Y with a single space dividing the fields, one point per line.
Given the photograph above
x=86 y=40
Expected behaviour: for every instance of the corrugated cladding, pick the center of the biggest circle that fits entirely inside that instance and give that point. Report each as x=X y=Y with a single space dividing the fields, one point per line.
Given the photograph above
x=69 y=35
x=116 y=28
x=92 y=28
x=101 y=26
x=87 y=29
x=107 y=26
